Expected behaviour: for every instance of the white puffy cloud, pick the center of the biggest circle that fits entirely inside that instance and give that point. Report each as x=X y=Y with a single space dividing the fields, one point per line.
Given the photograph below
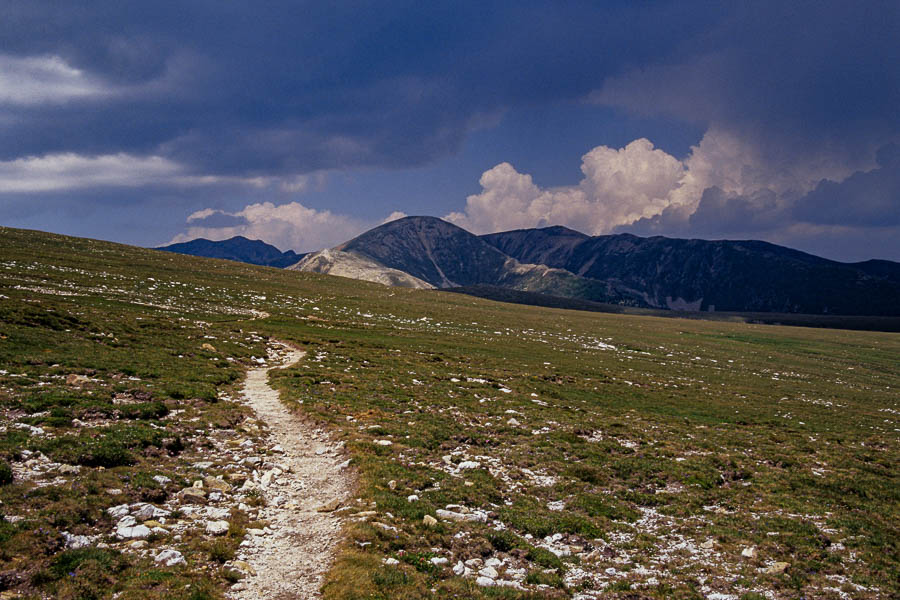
x=397 y=214
x=619 y=186
x=639 y=183
x=287 y=226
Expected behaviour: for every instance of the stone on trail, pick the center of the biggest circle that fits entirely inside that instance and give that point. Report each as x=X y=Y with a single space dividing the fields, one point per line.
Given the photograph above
x=330 y=507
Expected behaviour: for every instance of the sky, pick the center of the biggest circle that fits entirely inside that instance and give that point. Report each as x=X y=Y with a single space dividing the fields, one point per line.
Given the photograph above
x=305 y=123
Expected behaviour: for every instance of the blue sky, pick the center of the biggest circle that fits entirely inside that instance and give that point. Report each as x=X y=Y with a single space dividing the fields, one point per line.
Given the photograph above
x=303 y=124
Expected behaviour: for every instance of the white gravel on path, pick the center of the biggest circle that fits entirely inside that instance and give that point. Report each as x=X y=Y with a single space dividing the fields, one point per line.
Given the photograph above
x=290 y=561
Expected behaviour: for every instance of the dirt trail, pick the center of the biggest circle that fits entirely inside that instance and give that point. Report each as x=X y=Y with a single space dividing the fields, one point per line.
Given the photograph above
x=291 y=556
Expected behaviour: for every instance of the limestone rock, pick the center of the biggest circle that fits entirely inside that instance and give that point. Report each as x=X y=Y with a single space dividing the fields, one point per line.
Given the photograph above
x=244 y=567
x=214 y=483
x=169 y=558
x=217 y=527
x=329 y=507
x=192 y=495
x=777 y=568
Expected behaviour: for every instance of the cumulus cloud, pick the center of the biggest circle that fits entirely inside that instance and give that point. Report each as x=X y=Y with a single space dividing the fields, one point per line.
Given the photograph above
x=726 y=187
x=645 y=185
x=287 y=226
x=619 y=186
x=852 y=217
x=397 y=214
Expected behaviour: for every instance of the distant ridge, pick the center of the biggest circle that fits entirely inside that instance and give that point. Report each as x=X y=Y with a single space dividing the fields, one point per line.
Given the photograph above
x=239 y=249
x=686 y=275
x=722 y=275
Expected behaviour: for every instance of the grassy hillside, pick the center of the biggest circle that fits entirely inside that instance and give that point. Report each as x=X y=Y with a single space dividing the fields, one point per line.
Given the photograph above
x=591 y=454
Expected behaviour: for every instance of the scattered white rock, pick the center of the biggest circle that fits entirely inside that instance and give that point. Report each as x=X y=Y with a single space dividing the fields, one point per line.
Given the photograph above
x=489 y=572
x=217 y=527
x=117 y=512
x=75 y=542
x=169 y=558
x=127 y=528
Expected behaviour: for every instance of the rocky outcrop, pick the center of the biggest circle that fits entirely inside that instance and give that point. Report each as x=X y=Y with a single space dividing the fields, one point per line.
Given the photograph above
x=356 y=266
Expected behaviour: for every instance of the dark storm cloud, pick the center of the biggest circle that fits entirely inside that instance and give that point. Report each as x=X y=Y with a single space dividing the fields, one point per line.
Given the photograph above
x=856 y=218
x=869 y=198
x=293 y=87
x=163 y=100
x=799 y=72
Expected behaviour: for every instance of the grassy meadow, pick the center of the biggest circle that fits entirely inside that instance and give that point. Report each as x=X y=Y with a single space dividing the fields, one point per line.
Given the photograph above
x=578 y=455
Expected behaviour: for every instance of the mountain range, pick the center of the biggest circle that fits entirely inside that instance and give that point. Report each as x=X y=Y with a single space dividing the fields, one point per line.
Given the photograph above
x=239 y=249
x=622 y=269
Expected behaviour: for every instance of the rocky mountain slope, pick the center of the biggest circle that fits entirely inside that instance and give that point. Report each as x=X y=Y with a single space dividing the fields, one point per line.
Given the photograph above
x=355 y=266
x=447 y=256
x=713 y=275
x=238 y=248
x=656 y=272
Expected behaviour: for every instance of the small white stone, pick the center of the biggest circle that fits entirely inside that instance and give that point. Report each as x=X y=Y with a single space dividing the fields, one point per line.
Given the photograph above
x=217 y=527
x=169 y=557
x=488 y=572
x=117 y=511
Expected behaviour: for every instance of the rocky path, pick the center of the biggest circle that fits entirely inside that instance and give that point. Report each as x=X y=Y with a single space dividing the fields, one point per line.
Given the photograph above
x=289 y=558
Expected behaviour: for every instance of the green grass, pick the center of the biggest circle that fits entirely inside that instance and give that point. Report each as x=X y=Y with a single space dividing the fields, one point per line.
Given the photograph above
x=686 y=432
